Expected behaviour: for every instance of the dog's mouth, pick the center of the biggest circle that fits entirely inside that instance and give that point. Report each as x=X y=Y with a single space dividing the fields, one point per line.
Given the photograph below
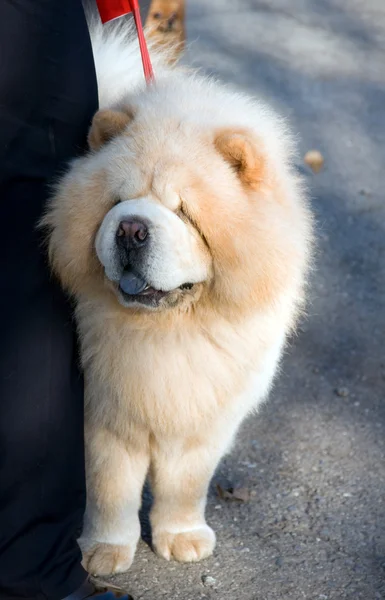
x=134 y=289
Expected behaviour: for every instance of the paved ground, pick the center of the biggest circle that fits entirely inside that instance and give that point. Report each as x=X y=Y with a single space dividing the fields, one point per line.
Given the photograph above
x=313 y=459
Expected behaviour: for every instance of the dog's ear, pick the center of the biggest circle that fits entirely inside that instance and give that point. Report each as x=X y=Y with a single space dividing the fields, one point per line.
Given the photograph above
x=240 y=149
x=107 y=124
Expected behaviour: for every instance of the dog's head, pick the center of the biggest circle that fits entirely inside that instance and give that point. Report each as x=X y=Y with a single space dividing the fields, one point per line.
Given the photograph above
x=167 y=213
x=148 y=243
x=166 y=16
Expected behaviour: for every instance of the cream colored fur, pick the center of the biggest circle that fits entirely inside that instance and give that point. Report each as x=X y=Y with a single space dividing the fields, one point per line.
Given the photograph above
x=167 y=388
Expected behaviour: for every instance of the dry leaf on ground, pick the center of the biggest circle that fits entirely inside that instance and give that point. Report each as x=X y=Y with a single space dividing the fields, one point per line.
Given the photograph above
x=314 y=160
x=241 y=494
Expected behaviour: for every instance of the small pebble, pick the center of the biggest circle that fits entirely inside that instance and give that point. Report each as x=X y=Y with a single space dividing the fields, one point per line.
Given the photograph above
x=342 y=392
x=314 y=160
x=208 y=580
x=279 y=561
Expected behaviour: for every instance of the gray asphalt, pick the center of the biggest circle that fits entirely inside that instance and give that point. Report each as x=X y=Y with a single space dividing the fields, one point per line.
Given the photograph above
x=313 y=459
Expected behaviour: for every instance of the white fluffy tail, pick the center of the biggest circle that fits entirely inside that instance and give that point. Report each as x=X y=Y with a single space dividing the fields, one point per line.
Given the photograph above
x=118 y=62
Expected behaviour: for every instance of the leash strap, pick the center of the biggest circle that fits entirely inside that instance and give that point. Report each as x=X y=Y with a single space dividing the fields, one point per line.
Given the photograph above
x=113 y=9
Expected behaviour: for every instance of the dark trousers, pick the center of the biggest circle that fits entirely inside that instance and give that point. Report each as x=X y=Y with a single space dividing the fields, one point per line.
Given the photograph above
x=48 y=95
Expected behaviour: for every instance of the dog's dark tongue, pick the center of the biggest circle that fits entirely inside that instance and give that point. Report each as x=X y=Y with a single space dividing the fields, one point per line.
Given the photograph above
x=132 y=284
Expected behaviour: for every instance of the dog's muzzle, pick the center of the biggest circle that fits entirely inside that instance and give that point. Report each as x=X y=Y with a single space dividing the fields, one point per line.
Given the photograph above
x=149 y=252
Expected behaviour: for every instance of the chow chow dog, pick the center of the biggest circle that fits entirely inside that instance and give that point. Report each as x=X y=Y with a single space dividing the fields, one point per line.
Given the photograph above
x=184 y=236
x=165 y=26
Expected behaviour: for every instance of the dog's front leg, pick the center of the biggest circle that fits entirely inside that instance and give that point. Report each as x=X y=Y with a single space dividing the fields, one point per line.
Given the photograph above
x=116 y=471
x=180 y=475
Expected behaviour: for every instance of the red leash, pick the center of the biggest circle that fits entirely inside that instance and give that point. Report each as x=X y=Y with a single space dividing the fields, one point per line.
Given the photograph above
x=113 y=9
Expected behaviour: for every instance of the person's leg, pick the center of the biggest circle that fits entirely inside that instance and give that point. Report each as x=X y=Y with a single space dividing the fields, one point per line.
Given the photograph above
x=48 y=96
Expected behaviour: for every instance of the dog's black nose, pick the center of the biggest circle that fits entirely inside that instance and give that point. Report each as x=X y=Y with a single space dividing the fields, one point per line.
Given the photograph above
x=170 y=21
x=132 y=233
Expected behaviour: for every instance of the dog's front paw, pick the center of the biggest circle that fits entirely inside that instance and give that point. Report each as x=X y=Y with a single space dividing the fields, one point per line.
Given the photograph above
x=107 y=559
x=185 y=546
